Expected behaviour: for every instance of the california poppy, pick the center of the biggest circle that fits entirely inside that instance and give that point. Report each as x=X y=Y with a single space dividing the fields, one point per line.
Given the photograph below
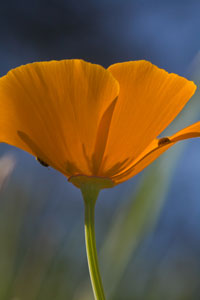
x=82 y=119
x=92 y=124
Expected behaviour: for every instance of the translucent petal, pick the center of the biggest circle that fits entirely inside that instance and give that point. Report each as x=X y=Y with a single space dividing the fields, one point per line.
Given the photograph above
x=149 y=100
x=54 y=109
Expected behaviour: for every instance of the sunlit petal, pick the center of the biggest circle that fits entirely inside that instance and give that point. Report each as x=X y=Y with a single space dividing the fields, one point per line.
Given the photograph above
x=53 y=110
x=149 y=100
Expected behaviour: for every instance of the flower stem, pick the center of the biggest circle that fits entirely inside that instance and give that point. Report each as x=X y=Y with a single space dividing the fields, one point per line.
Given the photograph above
x=90 y=194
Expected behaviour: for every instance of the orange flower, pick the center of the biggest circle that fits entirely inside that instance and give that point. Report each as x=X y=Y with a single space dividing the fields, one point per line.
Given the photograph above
x=90 y=122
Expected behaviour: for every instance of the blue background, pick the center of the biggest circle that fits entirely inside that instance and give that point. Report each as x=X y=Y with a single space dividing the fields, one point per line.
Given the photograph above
x=105 y=32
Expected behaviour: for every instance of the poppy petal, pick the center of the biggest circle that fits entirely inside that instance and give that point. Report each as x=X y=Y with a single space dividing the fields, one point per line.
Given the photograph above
x=58 y=106
x=155 y=149
x=149 y=100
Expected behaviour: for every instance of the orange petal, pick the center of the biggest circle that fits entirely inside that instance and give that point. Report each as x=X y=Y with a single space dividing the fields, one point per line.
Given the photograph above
x=53 y=109
x=155 y=149
x=149 y=100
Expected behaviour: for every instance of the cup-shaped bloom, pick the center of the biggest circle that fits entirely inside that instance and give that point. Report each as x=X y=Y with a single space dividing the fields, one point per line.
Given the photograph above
x=85 y=120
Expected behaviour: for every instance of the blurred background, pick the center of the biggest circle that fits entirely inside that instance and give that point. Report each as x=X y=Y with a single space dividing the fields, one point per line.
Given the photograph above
x=147 y=229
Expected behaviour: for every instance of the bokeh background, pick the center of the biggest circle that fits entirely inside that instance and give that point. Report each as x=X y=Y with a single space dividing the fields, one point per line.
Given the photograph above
x=147 y=229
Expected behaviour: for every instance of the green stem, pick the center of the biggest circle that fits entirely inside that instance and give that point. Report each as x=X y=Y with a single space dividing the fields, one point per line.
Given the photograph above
x=90 y=194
